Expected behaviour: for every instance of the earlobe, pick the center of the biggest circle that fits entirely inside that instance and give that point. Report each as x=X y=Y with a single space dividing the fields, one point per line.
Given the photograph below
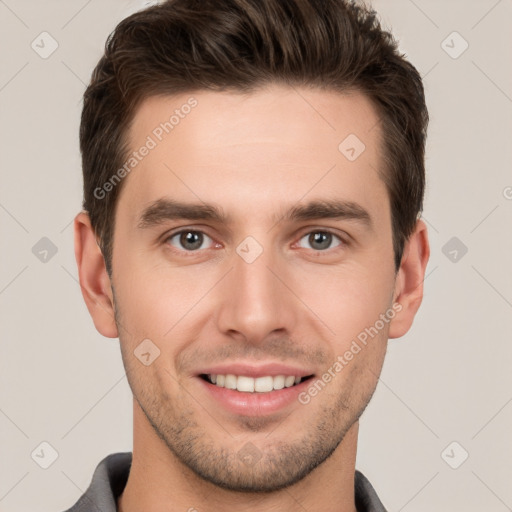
x=94 y=280
x=409 y=281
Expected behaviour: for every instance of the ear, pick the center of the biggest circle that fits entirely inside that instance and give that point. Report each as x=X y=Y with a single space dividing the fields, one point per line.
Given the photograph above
x=409 y=281
x=94 y=280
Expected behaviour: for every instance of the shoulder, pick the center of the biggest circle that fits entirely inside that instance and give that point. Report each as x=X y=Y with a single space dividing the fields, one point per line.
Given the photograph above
x=107 y=484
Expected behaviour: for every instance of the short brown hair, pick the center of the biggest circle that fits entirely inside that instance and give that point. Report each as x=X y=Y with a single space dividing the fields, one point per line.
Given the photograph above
x=187 y=45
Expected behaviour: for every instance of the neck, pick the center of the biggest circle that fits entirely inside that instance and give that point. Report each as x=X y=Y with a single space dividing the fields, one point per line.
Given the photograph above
x=159 y=481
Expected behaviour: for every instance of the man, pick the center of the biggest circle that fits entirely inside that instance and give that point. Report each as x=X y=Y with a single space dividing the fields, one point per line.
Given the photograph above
x=284 y=141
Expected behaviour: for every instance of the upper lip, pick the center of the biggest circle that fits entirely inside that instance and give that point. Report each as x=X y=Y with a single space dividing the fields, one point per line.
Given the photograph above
x=255 y=370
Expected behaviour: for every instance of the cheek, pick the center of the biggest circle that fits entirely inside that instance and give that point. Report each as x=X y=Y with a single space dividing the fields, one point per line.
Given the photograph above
x=346 y=300
x=157 y=302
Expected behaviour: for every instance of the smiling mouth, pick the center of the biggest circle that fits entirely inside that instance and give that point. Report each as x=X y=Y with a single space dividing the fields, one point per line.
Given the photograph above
x=244 y=384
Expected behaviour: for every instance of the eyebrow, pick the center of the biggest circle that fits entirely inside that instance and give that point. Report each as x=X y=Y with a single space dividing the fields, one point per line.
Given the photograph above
x=164 y=209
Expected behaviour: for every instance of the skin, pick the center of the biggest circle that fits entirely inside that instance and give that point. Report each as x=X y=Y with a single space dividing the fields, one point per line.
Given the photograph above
x=254 y=156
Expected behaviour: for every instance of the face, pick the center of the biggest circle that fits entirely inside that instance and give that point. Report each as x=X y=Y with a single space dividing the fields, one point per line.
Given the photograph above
x=251 y=251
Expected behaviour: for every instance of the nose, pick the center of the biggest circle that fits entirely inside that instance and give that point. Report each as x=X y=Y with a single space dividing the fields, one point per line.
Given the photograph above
x=254 y=300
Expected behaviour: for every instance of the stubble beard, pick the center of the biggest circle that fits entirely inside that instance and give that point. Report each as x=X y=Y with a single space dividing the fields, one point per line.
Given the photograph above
x=270 y=467
x=277 y=465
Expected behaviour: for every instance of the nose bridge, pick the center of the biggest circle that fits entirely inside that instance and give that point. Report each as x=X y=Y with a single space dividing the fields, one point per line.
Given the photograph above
x=254 y=302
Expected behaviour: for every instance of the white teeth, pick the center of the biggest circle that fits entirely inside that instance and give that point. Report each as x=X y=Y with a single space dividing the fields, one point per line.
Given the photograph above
x=263 y=384
x=250 y=385
x=230 y=382
x=245 y=384
x=290 y=381
x=279 y=382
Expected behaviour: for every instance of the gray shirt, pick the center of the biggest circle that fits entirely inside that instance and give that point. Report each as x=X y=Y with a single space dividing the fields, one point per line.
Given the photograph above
x=111 y=475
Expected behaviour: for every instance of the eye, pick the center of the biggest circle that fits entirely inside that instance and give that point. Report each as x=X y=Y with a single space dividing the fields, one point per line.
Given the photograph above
x=189 y=240
x=320 y=240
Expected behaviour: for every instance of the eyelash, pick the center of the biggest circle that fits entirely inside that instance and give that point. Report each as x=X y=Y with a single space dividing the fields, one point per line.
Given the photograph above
x=343 y=242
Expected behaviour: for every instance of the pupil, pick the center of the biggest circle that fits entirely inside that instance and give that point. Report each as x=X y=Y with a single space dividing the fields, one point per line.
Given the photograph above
x=191 y=240
x=322 y=240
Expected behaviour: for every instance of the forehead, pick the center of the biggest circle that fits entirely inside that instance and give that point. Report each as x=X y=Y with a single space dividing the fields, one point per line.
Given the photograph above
x=252 y=151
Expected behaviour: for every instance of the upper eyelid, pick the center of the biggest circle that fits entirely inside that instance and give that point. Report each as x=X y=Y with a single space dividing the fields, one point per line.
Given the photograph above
x=343 y=240
x=168 y=236
x=332 y=231
x=172 y=233
x=305 y=231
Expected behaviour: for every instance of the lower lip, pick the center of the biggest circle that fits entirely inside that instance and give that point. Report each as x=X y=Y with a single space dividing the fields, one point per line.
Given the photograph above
x=255 y=404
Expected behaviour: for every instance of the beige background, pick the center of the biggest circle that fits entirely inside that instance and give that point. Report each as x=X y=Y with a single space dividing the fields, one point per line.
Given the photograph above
x=448 y=380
